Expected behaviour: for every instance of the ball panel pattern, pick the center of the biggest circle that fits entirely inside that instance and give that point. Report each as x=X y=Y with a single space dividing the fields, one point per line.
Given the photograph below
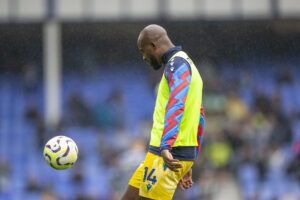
x=60 y=152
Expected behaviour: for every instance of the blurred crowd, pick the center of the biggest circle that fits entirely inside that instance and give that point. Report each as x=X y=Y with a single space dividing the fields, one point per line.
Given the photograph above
x=251 y=152
x=250 y=149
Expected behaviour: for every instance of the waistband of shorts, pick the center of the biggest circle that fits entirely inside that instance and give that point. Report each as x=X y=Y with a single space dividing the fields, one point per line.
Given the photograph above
x=180 y=153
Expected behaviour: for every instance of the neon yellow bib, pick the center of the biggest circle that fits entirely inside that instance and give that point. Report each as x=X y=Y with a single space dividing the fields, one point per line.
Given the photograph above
x=187 y=135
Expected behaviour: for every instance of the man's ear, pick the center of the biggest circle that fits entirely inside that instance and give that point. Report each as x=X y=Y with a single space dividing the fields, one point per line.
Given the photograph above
x=153 y=45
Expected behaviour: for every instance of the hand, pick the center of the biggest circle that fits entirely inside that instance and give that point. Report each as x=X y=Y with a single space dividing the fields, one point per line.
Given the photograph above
x=171 y=163
x=186 y=182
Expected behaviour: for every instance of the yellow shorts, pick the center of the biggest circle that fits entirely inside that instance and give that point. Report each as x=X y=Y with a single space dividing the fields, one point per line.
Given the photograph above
x=154 y=180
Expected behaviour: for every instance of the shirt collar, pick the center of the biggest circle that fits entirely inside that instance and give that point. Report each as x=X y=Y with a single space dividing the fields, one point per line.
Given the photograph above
x=166 y=56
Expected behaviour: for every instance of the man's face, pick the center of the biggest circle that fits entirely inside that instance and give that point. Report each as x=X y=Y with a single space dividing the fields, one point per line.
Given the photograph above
x=154 y=63
x=148 y=51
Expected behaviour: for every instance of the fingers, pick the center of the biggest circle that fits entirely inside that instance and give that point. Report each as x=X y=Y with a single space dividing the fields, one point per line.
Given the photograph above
x=185 y=184
x=176 y=164
x=173 y=165
x=189 y=184
x=181 y=185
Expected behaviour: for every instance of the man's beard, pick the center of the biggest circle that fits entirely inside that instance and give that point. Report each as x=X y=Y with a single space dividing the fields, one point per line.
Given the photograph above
x=154 y=63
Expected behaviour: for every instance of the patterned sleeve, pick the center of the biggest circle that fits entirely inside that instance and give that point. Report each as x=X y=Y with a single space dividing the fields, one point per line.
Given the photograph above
x=178 y=75
x=201 y=127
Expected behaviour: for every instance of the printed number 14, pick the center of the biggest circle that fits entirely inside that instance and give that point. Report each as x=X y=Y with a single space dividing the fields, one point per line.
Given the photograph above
x=153 y=179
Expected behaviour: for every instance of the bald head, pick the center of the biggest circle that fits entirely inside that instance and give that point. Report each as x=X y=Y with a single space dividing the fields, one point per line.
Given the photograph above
x=153 y=42
x=155 y=35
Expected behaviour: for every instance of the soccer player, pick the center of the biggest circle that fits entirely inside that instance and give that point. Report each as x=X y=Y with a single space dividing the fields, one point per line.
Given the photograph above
x=178 y=120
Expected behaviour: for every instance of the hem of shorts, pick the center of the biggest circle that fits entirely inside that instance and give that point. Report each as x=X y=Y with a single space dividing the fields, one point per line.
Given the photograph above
x=133 y=185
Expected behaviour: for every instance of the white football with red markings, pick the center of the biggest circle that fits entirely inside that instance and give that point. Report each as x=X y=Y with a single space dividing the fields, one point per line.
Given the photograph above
x=60 y=152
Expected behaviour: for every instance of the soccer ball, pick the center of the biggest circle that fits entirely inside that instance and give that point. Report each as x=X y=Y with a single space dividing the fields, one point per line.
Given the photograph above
x=60 y=152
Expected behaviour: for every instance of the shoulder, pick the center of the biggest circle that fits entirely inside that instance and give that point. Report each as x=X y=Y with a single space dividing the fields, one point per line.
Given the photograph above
x=177 y=63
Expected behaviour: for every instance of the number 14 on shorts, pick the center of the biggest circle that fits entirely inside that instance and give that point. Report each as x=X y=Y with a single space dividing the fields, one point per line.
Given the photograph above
x=150 y=176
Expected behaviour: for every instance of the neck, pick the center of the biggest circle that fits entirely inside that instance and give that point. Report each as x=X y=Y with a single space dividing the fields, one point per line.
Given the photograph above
x=164 y=49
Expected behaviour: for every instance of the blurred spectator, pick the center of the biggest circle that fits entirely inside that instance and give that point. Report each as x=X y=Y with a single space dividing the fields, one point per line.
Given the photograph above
x=217 y=185
x=262 y=103
x=294 y=167
x=49 y=195
x=111 y=113
x=30 y=77
x=234 y=136
x=80 y=114
x=210 y=76
x=281 y=133
x=225 y=187
x=282 y=130
x=78 y=180
x=5 y=178
x=32 y=184
x=236 y=109
x=218 y=151
x=206 y=183
x=35 y=119
x=127 y=164
x=276 y=104
x=285 y=76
